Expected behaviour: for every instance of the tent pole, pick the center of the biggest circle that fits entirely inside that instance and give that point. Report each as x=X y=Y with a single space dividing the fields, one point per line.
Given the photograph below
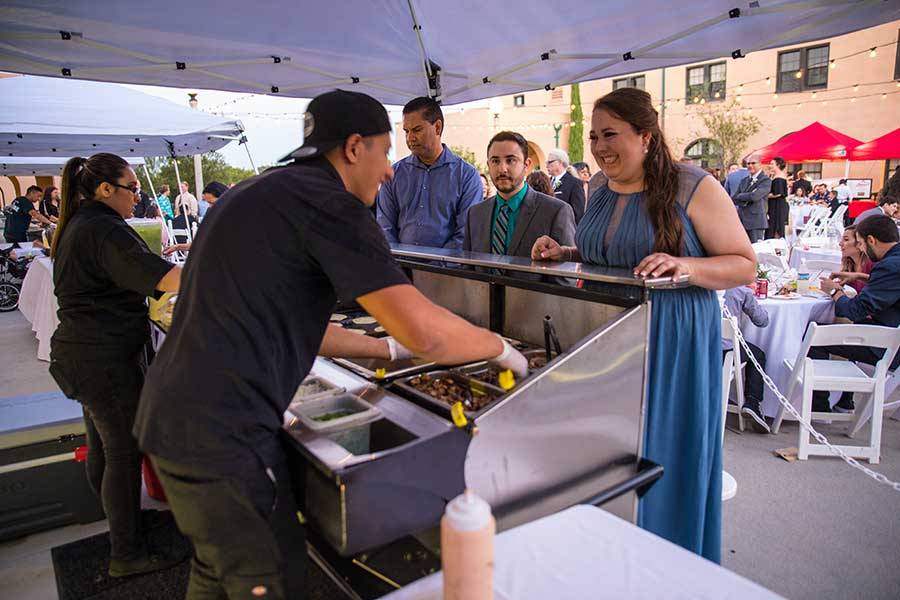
x=252 y=164
x=149 y=181
x=847 y=169
x=187 y=224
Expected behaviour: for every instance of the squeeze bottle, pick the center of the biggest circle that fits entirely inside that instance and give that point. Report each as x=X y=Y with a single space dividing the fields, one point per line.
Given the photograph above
x=467 y=548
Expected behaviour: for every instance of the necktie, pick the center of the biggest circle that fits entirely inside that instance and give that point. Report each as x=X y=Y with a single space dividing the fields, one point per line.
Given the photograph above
x=501 y=225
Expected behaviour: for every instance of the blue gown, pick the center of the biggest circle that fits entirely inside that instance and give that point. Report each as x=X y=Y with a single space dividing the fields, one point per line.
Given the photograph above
x=683 y=413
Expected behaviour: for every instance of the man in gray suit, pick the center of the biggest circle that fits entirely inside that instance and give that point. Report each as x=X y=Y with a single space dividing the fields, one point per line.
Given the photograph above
x=510 y=222
x=751 y=199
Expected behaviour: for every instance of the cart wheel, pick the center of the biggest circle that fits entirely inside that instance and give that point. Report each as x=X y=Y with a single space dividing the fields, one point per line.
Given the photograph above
x=9 y=297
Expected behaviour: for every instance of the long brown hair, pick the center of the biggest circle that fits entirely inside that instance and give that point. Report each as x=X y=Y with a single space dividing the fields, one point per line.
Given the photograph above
x=80 y=179
x=848 y=265
x=635 y=107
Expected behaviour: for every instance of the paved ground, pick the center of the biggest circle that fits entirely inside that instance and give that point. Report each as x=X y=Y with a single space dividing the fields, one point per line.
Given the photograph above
x=813 y=529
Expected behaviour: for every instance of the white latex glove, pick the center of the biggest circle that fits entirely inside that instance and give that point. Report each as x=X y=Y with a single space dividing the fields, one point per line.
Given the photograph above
x=511 y=359
x=397 y=350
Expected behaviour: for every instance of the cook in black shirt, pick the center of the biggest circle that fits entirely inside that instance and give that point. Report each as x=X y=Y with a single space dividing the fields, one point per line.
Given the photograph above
x=102 y=274
x=259 y=287
x=20 y=213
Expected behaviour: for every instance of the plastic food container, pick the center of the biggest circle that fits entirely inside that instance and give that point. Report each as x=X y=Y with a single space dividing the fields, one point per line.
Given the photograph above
x=313 y=388
x=338 y=411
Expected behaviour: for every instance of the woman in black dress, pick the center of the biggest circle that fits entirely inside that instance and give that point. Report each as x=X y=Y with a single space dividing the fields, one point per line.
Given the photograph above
x=778 y=207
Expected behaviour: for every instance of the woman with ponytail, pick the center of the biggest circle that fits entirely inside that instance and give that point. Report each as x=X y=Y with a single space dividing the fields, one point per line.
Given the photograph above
x=103 y=273
x=665 y=219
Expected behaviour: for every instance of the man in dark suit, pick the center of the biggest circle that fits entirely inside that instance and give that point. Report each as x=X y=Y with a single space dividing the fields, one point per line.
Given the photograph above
x=751 y=199
x=143 y=203
x=511 y=222
x=566 y=187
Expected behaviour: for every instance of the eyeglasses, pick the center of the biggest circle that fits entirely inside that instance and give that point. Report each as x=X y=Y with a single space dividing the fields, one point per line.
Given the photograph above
x=131 y=188
x=550 y=162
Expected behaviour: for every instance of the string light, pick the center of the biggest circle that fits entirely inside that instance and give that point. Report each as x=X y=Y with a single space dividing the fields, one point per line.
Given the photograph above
x=738 y=99
x=769 y=79
x=832 y=64
x=717 y=95
x=741 y=88
x=873 y=52
x=799 y=105
x=883 y=96
x=853 y=99
x=798 y=74
x=856 y=88
x=774 y=96
x=814 y=95
x=774 y=108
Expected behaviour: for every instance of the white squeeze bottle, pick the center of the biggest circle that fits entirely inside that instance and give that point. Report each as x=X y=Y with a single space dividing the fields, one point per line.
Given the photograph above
x=803 y=278
x=467 y=548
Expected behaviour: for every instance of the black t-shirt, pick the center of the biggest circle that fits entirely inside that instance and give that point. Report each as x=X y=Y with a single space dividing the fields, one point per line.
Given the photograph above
x=262 y=279
x=48 y=209
x=102 y=274
x=18 y=218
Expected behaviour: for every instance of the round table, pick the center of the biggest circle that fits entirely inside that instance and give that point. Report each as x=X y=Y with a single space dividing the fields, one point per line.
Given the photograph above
x=38 y=303
x=788 y=320
x=798 y=255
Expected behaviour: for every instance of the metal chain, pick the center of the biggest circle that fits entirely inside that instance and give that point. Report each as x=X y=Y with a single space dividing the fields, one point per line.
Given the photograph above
x=793 y=411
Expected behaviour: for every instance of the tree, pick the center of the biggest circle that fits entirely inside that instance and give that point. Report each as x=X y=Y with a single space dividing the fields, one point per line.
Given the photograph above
x=576 y=131
x=731 y=127
x=468 y=156
x=214 y=169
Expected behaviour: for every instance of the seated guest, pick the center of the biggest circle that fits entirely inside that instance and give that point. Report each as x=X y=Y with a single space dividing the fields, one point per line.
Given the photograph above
x=427 y=200
x=889 y=203
x=741 y=300
x=512 y=221
x=566 y=186
x=164 y=203
x=855 y=265
x=877 y=304
x=185 y=217
x=539 y=182
x=143 y=202
x=820 y=193
x=210 y=195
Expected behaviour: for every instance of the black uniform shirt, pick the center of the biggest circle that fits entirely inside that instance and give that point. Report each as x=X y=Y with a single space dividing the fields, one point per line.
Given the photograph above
x=102 y=274
x=257 y=292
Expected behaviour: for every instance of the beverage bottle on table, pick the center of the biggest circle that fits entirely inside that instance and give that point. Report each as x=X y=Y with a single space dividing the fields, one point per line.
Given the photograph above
x=467 y=548
x=803 y=278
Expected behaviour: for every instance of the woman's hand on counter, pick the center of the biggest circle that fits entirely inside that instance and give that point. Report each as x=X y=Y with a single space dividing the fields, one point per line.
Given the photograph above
x=661 y=264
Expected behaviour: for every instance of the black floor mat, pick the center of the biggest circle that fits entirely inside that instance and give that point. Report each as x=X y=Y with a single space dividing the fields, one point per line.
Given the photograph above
x=81 y=568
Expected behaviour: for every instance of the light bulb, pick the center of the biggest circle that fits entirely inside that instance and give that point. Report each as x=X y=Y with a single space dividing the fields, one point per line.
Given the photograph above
x=716 y=95
x=873 y=53
x=768 y=80
x=774 y=108
x=696 y=99
x=853 y=99
x=774 y=96
x=799 y=105
x=798 y=74
x=741 y=88
x=831 y=64
x=856 y=88
x=738 y=99
x=703 y=101
x=824 y=102
x=814 y=96
x=883 y=96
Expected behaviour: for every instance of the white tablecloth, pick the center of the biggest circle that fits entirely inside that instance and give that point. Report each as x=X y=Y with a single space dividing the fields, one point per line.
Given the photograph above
x=798 y=254
x=788 y=320
x=38 y=303
x=585 y=552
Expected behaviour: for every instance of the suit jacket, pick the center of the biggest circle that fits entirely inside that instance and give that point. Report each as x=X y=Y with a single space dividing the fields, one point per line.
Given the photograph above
x=571 y=191
x=539 y=215
x=752 y=201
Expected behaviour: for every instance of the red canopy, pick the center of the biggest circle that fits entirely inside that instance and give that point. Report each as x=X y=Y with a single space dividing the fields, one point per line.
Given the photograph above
x=813 y=143
x=886 y=147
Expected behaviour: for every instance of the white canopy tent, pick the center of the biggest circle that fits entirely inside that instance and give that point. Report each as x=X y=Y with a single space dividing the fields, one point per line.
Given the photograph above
x=398 y=49
x=42 y=116
x=44 y=165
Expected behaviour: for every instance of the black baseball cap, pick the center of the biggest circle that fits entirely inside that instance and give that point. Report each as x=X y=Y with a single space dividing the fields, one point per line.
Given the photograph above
x=332 y=117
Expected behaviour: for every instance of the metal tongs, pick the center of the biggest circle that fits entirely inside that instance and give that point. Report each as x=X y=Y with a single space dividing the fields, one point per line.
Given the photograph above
x=550 y=337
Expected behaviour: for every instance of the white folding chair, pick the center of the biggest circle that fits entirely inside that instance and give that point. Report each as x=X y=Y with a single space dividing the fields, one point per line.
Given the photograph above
x=864 y=409
x=178 y=257
x=733 y=372
x=814 y=226
x=841 y=375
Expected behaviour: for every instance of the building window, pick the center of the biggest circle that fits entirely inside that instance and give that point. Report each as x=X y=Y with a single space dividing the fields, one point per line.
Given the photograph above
x=813 y=170
x=638 y=82
x=803 y=69
x=519 y=100
x=890 y=167
x=705 y=152
x=897 y=60
x=706 y=82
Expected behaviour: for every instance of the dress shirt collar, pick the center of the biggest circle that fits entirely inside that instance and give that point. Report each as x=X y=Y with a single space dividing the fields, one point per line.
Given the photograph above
x=515 y=201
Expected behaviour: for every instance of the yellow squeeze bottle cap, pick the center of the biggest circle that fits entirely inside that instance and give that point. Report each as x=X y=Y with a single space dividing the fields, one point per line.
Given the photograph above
x=380 y=373
x=458 y=414
x=506 y=379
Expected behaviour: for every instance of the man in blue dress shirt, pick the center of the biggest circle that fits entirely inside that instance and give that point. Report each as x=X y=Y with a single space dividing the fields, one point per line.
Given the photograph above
x=877 y=304
x=428 y=199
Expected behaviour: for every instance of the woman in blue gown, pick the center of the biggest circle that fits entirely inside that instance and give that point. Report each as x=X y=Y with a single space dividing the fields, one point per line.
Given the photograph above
x=661 y=218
